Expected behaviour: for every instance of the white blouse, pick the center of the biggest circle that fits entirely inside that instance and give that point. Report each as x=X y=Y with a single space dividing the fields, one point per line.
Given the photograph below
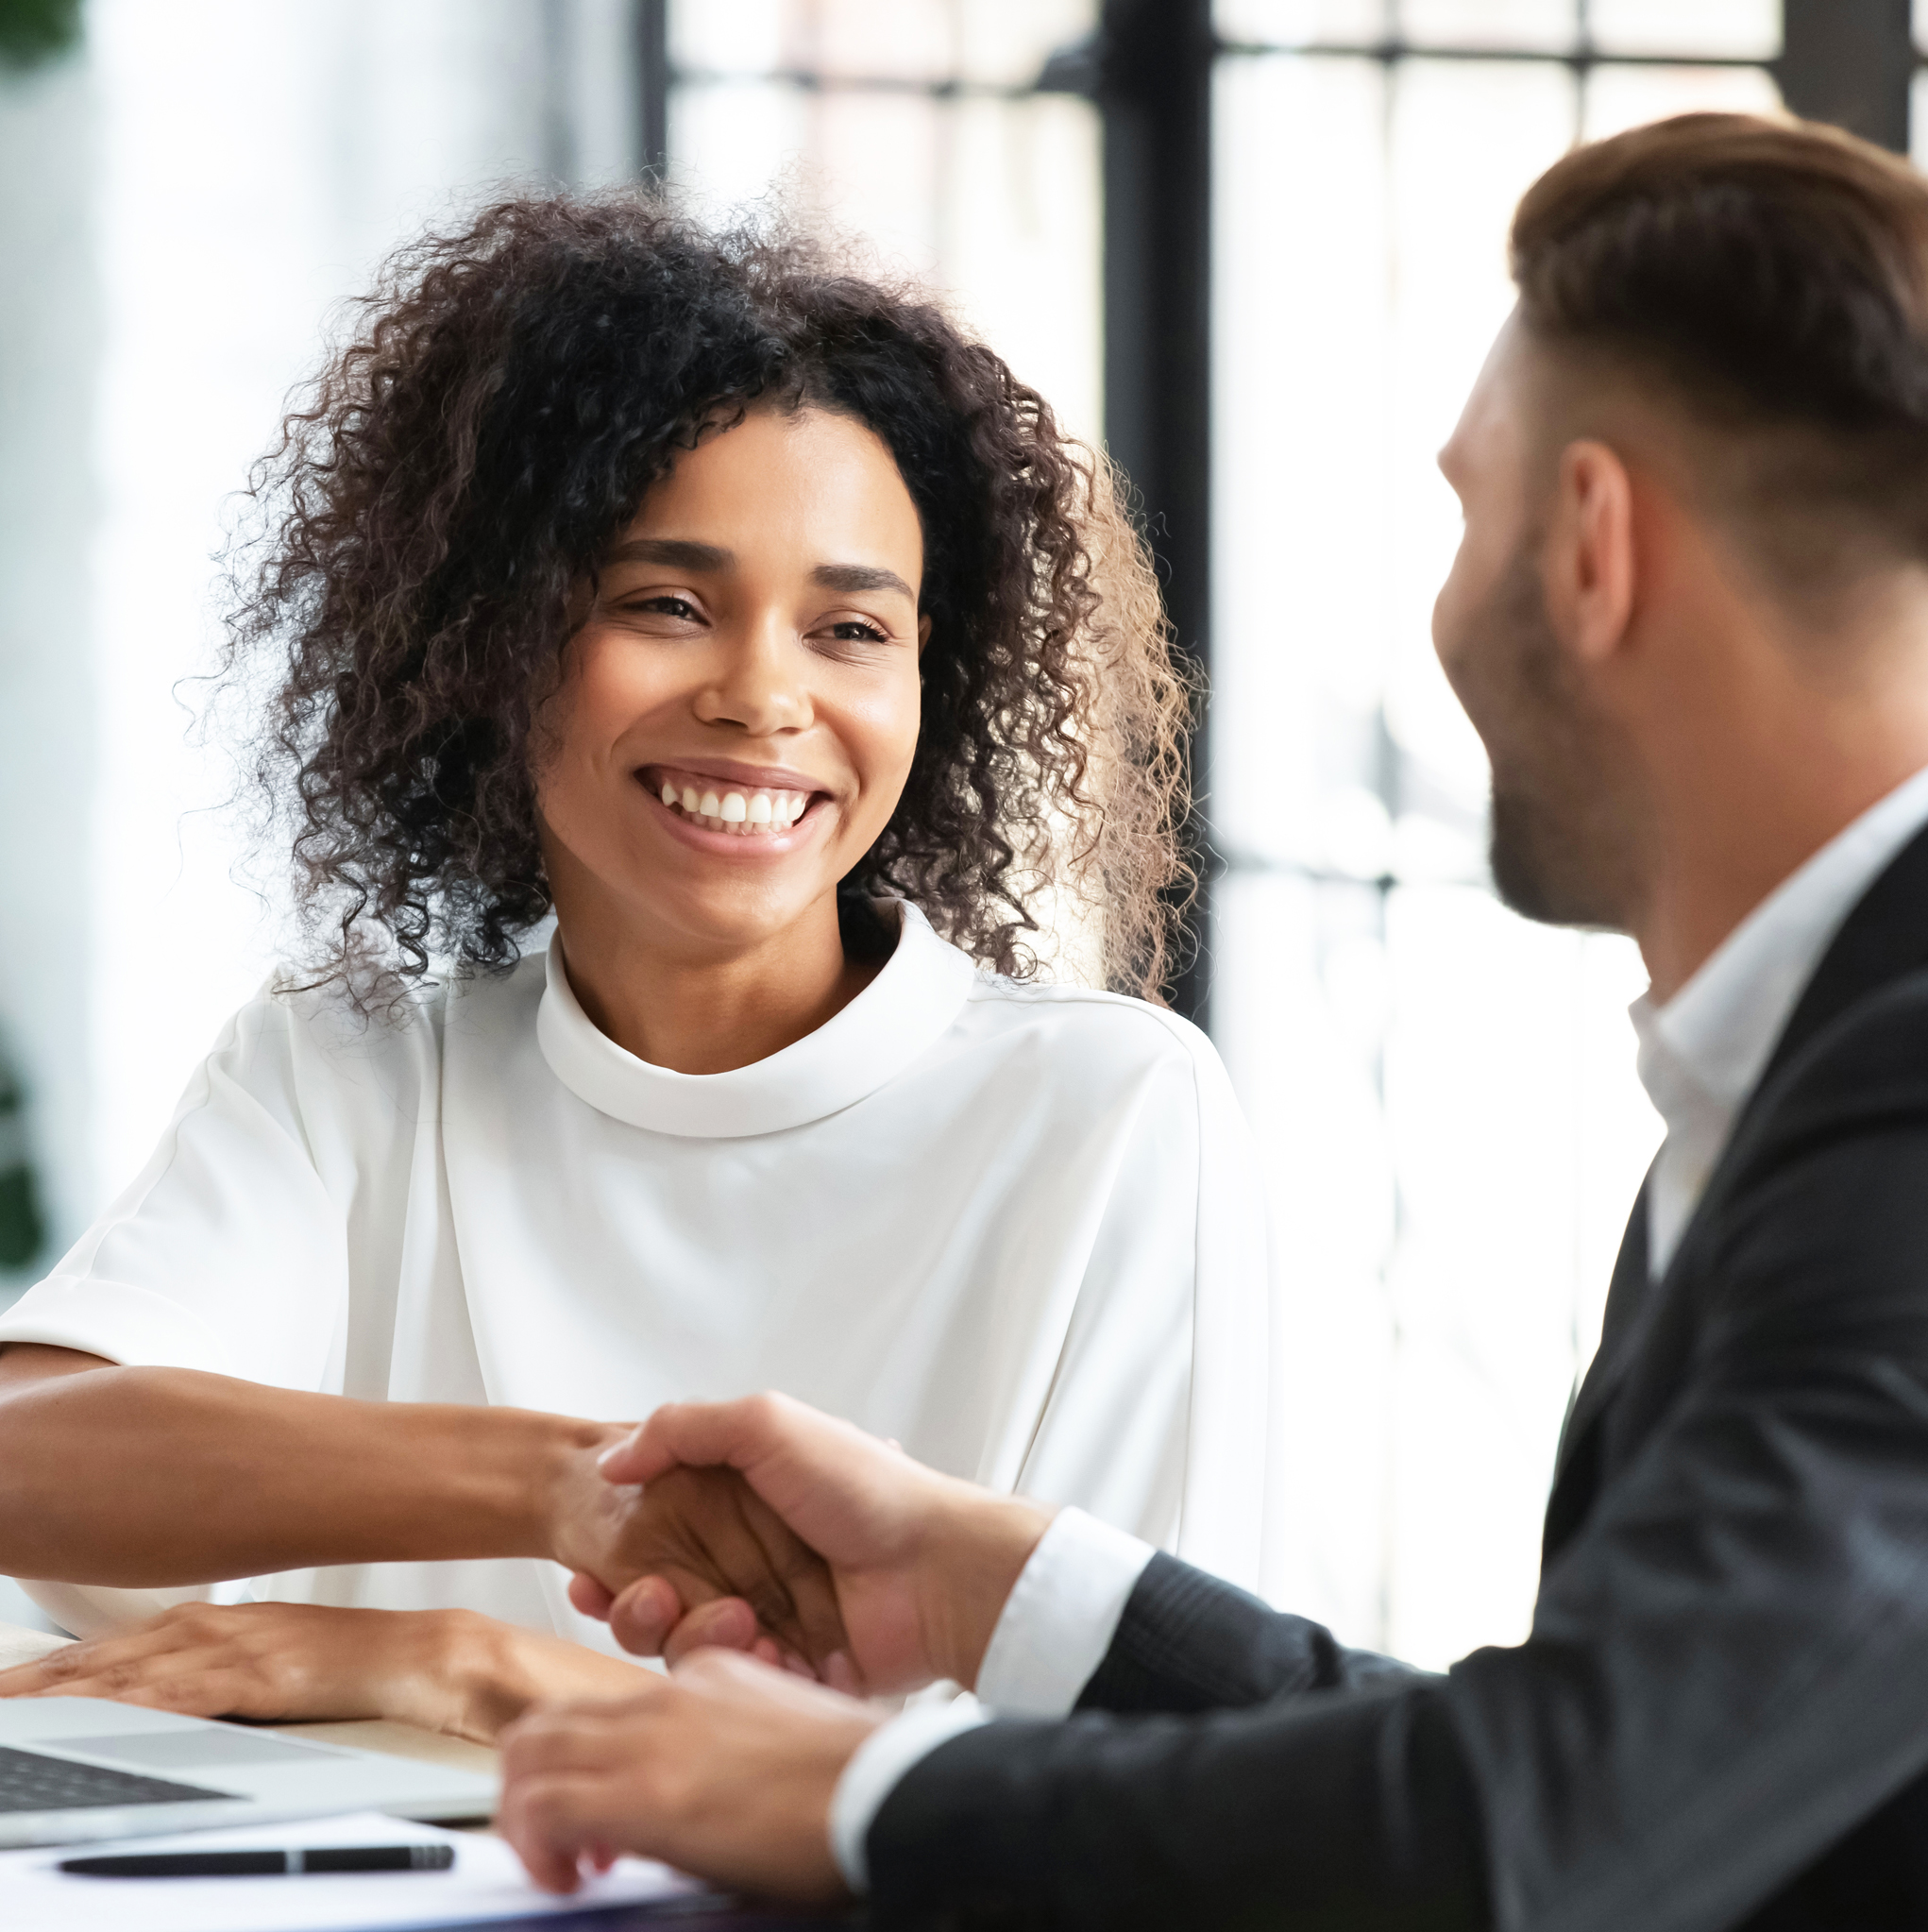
x=1021 y=1228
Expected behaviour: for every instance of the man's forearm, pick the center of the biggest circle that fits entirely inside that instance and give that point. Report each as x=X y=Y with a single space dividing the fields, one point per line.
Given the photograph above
x=1355 y=1807
x=976 y=1550
x=143 y=1476
x=1052 y=1630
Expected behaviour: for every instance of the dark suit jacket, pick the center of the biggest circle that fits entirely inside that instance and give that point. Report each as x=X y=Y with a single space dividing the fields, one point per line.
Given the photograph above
x=1720 y=1718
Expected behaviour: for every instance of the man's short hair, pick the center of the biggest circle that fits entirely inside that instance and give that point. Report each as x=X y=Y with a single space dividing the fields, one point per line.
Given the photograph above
x=1775 y=275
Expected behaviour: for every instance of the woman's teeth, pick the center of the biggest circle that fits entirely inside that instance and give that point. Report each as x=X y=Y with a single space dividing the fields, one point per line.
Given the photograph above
x=736 y=811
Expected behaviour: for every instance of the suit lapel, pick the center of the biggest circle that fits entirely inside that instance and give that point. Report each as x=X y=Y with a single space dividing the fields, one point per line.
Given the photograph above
x=1628 y=1296
x=1883 y=938
x=1885 y=935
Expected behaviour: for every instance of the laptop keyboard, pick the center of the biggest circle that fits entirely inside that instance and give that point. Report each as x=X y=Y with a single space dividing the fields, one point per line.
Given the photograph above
x=29 y=1782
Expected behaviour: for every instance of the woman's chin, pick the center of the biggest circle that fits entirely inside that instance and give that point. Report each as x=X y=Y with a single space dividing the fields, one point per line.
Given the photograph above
x=716 y=915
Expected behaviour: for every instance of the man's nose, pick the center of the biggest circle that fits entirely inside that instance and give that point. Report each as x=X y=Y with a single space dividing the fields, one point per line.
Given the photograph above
x=758 y=683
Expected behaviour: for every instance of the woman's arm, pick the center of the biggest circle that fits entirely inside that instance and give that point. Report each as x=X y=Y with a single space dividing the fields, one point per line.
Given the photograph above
x=157 y=1476
x=449 y=1671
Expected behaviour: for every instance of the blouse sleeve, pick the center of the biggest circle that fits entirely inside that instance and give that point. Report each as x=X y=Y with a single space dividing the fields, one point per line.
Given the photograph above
x=1156 y=1421
x=226 y=1252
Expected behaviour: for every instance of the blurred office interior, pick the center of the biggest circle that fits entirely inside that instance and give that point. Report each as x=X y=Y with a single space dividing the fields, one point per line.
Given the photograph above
x=1257 y=248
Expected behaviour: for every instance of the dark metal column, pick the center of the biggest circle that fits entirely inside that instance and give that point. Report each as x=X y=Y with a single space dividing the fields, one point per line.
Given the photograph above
x=1154 y=87
x=653 y=87
x=1850 y=62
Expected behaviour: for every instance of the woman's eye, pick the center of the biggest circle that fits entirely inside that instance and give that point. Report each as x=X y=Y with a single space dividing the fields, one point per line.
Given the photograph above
x=678 y=607
x=856 y=631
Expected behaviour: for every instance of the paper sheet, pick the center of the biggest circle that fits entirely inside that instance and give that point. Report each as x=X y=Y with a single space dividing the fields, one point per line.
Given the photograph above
x=487 y=1882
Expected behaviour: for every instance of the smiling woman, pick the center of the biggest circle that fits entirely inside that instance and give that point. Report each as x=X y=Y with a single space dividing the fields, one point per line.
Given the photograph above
x=792 y=624
x=755 y=621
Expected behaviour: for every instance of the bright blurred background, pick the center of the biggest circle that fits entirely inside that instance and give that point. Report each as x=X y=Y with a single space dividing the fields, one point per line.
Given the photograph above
x=1257 y=248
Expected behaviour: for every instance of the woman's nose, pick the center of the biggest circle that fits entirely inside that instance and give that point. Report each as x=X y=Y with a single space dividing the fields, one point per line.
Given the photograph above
x=757 y=684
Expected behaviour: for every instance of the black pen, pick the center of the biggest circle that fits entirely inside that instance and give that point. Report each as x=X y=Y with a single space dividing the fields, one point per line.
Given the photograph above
x=265 y=1864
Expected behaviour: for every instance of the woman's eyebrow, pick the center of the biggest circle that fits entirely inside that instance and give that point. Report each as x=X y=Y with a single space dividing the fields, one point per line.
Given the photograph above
x=860 y=577
x=676 y=553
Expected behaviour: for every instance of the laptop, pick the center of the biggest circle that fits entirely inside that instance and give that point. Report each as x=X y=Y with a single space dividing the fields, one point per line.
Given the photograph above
x=79 y=1767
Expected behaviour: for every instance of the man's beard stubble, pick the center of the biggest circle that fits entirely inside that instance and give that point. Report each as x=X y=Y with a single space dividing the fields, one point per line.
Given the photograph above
x=1563 y=842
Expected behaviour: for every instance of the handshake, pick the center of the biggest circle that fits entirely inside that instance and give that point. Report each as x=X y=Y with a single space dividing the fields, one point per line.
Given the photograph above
x=755 y=1545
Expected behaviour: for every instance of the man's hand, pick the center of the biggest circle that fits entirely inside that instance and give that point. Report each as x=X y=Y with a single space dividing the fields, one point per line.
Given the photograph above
x=920 y=1564
x=726 y=1770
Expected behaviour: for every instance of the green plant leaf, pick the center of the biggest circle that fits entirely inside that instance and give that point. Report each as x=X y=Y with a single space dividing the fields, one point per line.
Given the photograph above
x=35 y=30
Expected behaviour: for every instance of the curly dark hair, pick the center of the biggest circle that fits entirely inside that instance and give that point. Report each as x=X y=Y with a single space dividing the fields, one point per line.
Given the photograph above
x=510 y=391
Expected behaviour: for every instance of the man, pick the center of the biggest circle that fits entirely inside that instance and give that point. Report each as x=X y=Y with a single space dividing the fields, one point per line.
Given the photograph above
x=1689 y=619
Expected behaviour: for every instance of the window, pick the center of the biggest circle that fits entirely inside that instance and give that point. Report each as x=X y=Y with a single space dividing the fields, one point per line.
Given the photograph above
x=1446 y=1093
x=917 y=127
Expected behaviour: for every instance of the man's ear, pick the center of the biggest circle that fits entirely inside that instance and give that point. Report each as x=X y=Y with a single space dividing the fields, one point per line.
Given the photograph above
x=1588 y=562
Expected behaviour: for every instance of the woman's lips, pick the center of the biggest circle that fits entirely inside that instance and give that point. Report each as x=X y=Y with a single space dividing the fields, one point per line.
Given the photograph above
x=726 y=807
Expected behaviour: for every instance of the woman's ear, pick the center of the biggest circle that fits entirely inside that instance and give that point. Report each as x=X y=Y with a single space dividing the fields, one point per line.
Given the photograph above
x=924 y=634
x=1588 y=562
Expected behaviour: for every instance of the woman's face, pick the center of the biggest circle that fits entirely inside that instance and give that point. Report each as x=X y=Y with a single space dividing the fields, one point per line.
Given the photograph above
x=739 y=706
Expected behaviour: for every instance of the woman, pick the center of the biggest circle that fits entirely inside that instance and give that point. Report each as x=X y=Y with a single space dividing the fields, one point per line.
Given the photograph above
x=756 y=623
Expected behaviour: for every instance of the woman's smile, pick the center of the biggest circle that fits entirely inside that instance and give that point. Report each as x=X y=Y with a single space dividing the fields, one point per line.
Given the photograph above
x=759 y=812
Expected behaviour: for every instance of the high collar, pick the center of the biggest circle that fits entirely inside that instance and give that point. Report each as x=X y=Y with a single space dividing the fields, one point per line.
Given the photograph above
x=901 y=1013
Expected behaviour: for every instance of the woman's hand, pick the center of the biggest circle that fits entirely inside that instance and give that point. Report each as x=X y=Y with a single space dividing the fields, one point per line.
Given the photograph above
x=449 y=1671
x=918 y=1565
x=726 y=1770
x=703 y=1537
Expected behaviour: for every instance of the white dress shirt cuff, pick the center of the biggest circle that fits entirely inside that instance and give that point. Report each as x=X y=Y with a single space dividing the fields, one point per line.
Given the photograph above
x=871 y=1775
x=1051 y=1635
x=1061 y=1617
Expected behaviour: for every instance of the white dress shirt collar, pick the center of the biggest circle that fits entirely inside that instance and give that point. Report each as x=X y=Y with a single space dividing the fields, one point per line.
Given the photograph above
x=902 y=1011
x=1705 y=1051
